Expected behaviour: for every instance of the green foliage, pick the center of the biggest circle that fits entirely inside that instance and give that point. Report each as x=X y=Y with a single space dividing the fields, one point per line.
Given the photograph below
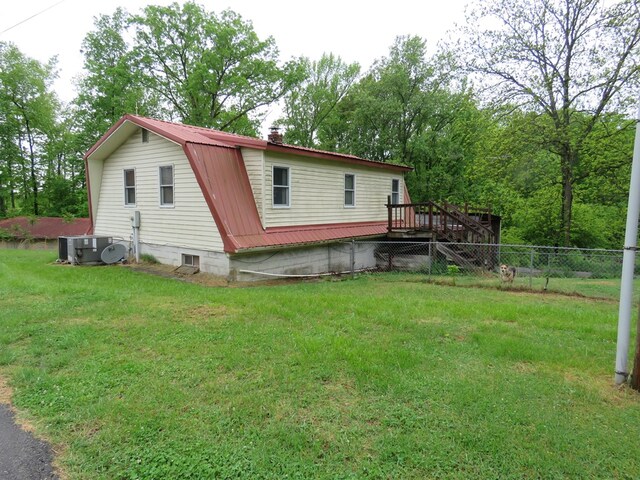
x=408 y=109
x=112 y=85
x=208 y=69
x=540 y=56
x=310 y=104
x=27 y=115
x=148 y=258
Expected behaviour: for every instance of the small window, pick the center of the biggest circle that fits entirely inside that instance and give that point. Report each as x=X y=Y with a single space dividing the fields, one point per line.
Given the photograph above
x=191 y=260
x=281 y=186
x=349 y=190
x=395 y=191
x=145 y=135
x=130 y=187
x=166 y=186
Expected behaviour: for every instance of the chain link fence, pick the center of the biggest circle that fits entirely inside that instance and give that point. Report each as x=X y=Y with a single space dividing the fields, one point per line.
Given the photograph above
x=583 y=272
x=587 y=272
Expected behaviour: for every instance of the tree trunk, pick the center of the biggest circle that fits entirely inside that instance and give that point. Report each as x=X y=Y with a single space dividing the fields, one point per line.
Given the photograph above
x=568 y=160
x=12 y=186
x=32 y=160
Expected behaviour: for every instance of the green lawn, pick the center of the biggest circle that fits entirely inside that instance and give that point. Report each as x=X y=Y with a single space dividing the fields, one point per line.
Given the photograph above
x=134 y=376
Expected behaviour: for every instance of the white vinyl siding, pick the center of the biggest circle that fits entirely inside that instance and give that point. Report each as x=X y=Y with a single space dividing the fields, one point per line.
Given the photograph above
x=254 y=163
x=317 y=192
x=190 y=224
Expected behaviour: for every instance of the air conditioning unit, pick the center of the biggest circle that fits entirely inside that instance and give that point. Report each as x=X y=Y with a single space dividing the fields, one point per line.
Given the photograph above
x=87 y=249
x=63 y=251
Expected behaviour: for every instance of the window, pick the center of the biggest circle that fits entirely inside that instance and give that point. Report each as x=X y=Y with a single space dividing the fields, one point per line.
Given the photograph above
x=166 y=186
x=145 y=135
x=130 y=187
x=191 y=260
x=349 y=190
x=281 y=186
x=395 y=191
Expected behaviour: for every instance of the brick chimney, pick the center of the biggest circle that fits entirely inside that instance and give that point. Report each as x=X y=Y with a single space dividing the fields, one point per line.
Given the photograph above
x=275 y=136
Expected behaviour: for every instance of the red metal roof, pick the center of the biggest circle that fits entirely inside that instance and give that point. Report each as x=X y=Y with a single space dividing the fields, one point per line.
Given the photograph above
x=315 y=234
x=44 y=227
x=217 y=163
x=222 y=177
x=184 y=134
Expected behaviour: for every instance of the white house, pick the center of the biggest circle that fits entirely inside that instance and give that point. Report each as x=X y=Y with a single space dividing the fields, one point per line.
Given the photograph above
x=231 y=204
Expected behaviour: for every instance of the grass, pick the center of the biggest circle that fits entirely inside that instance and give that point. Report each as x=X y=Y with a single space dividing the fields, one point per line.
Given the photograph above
x=140 y=377
x=595 y=288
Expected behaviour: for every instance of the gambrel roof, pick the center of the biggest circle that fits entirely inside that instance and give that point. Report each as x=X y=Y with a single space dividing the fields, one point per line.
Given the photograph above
x=216 y=160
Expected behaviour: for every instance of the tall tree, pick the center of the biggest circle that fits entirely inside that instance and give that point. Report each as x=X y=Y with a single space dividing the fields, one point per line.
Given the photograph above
x=111 y=85
x=570 y=61
x=209 y=70
x=407 y=109
x=29 y=109
x=309 y=104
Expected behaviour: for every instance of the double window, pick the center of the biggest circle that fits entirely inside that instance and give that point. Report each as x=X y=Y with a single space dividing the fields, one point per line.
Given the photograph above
x=281 y=187
x=349 y=190
x=130 y=187
x=166 y=186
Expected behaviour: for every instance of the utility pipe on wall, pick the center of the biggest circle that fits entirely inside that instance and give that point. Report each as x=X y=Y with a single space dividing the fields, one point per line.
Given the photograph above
x=628 y=263
x=135 y=224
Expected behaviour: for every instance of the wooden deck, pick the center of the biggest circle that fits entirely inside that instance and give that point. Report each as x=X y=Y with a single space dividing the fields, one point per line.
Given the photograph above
x=445 y=222
x=463 y=234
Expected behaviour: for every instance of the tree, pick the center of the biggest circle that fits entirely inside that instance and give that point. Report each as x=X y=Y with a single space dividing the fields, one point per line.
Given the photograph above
x=408 y=109
x=207 y=69
x=310 y=103
x=569 y=61
x=111 y=86
x=28 y=108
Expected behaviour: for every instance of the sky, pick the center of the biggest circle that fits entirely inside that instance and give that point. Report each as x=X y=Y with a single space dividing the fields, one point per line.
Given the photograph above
x=356 y=30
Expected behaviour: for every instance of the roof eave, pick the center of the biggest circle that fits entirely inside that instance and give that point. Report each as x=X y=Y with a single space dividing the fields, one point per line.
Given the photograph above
x=292 y=149
x=282 y=246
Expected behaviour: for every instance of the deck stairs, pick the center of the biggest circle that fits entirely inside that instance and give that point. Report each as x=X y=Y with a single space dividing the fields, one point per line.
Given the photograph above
x=462 y=234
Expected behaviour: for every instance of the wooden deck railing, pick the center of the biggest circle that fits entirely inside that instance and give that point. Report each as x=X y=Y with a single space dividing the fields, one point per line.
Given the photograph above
x=460 y=224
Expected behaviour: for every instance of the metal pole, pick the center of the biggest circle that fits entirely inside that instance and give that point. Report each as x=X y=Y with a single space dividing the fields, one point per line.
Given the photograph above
x=628 y=263
x=531 y=270
x=430 y=259
x=353 y=258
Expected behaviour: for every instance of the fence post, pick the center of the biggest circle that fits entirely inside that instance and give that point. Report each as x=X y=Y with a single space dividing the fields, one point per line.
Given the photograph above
x=531 y=269
x=353 y=258
x=430 y=260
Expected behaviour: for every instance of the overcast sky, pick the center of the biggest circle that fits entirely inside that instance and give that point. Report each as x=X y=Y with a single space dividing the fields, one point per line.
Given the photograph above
x=357 y=31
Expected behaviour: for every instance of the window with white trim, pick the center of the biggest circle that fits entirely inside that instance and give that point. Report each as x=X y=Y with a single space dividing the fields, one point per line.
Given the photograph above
x=191 y=260
x=166 y=186
x=130 y=186
x=281 y=187
x=349 y=190
x=395 y=191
